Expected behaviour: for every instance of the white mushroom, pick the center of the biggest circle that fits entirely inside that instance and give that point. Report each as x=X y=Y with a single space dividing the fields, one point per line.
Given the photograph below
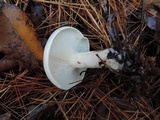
x=67 y=55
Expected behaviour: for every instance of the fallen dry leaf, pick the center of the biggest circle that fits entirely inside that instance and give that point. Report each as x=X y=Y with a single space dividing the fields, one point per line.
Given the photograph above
x=18 y=39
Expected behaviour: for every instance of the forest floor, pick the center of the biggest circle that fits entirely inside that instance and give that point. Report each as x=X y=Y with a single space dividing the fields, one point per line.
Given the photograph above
x=130 y=94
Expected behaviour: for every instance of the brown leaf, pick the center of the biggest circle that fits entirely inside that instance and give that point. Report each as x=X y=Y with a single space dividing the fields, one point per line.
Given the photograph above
x=18 y=39
x=23 y=26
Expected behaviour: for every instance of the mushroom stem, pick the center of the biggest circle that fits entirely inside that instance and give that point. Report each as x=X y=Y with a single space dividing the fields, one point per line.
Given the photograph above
x=96 y=59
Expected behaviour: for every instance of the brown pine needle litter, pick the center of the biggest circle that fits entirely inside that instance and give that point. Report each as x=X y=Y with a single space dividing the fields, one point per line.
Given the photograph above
x=132 y=94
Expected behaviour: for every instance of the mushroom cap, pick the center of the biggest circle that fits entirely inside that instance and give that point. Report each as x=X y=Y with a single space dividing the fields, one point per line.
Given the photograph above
x=61 y=45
